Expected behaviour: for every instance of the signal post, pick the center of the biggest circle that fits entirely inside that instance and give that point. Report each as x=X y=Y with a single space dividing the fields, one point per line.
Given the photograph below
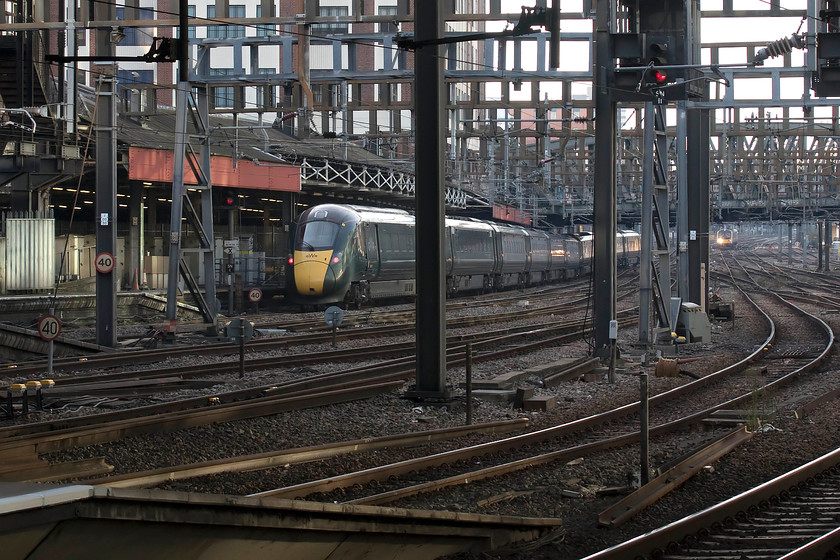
x=648 y=52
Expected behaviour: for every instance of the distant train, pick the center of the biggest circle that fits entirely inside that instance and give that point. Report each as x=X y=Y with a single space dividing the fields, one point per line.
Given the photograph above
x=350 y=255
x=727 y=238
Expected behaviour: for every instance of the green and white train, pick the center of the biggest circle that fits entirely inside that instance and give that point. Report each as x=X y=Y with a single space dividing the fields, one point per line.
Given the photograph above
x=350 y=255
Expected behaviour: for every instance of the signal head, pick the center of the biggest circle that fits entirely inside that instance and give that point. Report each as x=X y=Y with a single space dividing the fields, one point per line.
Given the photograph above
x=229 y=199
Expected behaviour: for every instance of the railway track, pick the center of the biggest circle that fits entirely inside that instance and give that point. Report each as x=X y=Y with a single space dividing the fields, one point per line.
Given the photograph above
x=669 y=422
x=547 y=332
x=793 y=516
x=354 y=486
x=311 y=331
x=21 y=445
x=784 y=362
x=665 y=424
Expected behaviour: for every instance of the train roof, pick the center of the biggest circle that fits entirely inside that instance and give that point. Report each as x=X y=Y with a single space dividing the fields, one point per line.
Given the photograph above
x=468 y=223
x=349 y=212
x=354 y=212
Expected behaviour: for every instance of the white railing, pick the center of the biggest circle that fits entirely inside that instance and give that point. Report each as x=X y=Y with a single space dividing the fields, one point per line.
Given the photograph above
x=370 y=177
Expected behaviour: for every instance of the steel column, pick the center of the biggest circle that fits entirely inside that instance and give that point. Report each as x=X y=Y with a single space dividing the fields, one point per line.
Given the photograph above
x=655 y=271
x=827 y=246
x=682 y=202
x=181 y=100
x=106 y=182
x=604 y=211
x=429 y=98
x=134 y=248
x=198 y=109
x=645 y=288
x=699 y=192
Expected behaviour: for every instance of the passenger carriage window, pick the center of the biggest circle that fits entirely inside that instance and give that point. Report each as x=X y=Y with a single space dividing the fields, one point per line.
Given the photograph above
x=396 y=242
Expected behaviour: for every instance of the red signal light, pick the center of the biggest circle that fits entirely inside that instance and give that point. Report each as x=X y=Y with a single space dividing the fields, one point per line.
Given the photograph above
x=291 y=260
x=659 y=77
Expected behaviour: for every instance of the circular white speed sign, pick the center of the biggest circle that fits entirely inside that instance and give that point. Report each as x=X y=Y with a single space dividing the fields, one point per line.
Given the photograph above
x=104 y=263
x=49 y=327
x=255 y=294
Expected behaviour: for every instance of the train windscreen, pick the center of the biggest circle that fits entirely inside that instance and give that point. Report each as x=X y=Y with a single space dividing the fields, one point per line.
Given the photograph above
x=316 y=236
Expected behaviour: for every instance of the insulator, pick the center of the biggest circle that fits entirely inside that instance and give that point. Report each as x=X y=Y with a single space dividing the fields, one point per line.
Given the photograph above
x=780 y=47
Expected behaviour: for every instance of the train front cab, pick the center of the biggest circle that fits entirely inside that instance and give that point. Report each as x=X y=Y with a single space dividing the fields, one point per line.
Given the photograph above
x=320 y=257
x=727 y=238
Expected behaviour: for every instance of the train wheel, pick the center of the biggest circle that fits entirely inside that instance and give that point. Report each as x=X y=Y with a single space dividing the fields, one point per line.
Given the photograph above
x=451 y=287
x=350 y=301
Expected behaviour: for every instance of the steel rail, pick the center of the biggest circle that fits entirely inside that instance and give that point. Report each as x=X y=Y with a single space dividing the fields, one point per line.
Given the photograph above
x=297 y=455
x=646 y=545
x=405 y=364
x=396 y=469
x=225 y=348
x=18 y=451
x=623 y=510
x=24 y=443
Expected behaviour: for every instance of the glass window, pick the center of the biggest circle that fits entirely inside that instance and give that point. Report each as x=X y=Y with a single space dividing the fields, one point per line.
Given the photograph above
x=236 y=11
x=324 y=29
x=191 y=29
x=316 y=236
x=267 y=94
x=265 y=30
x=214 y=31
x=217 y=31
x=389 y=27
x=222 y=95
x=136 y=36
x=133 y=78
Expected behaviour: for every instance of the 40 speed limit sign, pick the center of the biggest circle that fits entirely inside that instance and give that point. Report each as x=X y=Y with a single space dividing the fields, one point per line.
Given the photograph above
x=104 y=263
x=49 y=327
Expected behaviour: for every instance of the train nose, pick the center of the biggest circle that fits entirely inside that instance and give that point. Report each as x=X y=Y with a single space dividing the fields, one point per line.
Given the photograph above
x=313 y=278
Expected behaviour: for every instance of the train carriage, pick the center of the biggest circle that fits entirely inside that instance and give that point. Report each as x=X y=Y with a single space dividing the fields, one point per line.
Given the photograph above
x=559 y=258
x=539 y=248
x=586 y=246
x=471 y=255
x=628 y=248
x=512 y=259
